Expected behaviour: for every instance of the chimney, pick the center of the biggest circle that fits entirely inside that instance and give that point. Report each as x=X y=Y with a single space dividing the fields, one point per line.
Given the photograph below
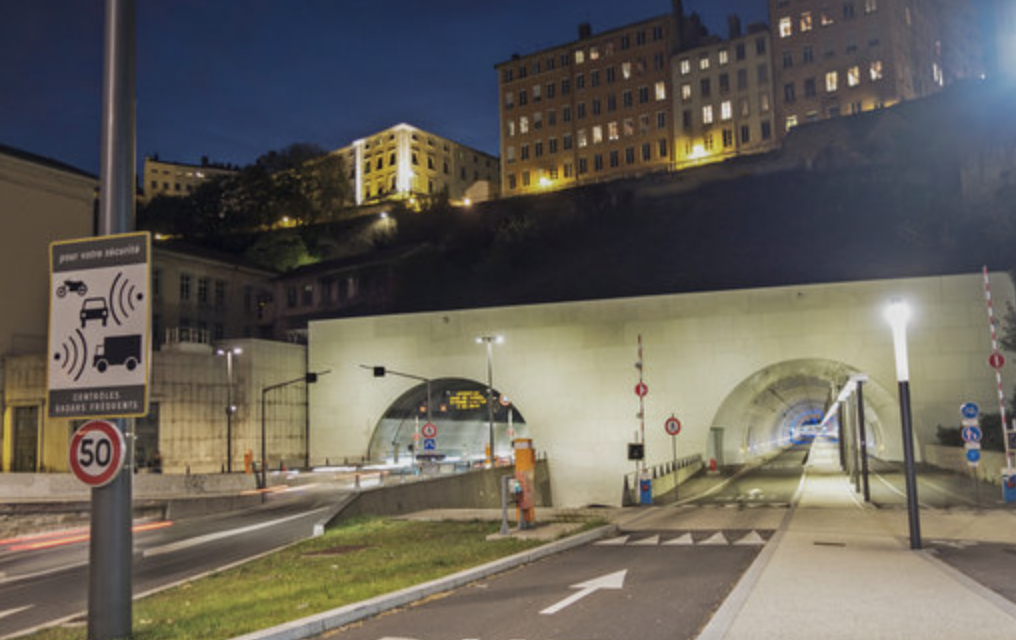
x=585 y=30
x=734 y=26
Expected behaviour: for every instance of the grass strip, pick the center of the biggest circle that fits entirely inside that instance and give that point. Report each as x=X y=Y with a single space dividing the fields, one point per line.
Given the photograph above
x=364 y=558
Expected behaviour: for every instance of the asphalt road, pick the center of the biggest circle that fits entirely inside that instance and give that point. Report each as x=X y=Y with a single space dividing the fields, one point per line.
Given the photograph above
x=38 y=586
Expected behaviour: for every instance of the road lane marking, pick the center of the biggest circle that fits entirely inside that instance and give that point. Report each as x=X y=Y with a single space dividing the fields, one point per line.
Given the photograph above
x=211 y=537
x=11 y=612
x=752 y=538
x=610 y=581
x=613 y=542
x=716 y=539
x=685 y=540
x=651 y=541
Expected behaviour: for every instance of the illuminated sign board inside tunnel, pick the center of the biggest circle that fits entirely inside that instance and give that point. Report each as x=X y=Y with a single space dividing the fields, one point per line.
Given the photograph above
x=467 y=400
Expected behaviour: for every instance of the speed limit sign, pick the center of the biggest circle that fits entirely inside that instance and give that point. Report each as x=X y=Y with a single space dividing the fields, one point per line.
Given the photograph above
x=97 y=453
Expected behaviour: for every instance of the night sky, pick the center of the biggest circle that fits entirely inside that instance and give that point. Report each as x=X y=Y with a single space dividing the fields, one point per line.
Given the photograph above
x=232 y=79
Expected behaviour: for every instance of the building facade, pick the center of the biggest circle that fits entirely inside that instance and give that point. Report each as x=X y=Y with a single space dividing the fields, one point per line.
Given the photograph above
x=176 y=179
x=849 y=56
x=201 y=297
x=409 y=164
x=590 y=110
x=723 y=98
x=41 y=201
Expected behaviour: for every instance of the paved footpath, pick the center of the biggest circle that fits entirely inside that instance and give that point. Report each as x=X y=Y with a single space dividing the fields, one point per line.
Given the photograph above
x=839 y=569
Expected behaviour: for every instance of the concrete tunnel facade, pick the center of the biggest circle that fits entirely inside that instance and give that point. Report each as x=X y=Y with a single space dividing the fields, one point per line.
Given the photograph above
x=740 y=369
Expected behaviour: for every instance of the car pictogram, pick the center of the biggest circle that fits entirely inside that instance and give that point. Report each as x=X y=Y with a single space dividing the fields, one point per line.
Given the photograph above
x=94 y=309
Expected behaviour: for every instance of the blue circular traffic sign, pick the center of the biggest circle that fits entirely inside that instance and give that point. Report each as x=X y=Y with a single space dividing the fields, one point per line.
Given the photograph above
x=969 y=410
x=971 y=434
x=973 y=455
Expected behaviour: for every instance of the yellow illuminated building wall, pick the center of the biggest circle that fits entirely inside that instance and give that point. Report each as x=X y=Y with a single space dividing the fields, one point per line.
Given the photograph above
x=407 y=163
x=723 y=99
x=595 y=109
x=177 y=179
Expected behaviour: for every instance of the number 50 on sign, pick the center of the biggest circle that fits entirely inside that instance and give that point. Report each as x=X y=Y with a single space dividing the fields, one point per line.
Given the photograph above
x=97 y=453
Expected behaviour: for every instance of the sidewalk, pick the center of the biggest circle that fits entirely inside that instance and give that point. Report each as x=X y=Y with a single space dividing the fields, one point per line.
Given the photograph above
x=840 y=569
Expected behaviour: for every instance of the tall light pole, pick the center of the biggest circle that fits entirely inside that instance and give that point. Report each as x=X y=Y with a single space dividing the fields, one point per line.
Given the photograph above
x=380 y=372
x=230 y=407
x=490 y=341
x=898 y=314
x=308 y=378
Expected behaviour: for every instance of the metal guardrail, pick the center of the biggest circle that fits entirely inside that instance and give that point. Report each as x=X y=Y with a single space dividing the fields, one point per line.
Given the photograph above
x=662 y=470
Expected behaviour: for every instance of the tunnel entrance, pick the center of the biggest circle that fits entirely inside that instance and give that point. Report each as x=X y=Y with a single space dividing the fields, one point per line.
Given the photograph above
x=784 y=404
x=459 y=414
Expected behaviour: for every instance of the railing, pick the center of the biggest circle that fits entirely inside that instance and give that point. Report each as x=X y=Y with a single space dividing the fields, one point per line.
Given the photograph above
x=669 y=474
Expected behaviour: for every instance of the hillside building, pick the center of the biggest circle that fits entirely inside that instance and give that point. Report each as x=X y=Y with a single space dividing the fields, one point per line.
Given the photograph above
x=723 y=97
x=407 y=163
x=176 y=179
x=849 y=56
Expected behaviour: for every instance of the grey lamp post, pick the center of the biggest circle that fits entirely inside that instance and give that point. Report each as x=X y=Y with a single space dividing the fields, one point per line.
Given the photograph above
x=230 y=407
x=309 y=378
x=490 y=341
x=898 y=314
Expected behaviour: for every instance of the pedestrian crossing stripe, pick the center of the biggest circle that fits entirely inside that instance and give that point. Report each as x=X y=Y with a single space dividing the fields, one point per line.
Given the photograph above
x=716 y=539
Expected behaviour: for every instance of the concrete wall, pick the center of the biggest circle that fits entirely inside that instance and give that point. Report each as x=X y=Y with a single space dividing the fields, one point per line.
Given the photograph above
x=954 y=459
x=569 y=368
x=189 y=393
x=479 y=489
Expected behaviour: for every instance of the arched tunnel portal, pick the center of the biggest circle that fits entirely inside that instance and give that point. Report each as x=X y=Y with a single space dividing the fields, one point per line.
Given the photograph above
x=785 y=403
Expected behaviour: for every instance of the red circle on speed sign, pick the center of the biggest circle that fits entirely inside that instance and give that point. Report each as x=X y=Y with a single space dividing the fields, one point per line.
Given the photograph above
x=429 y=430
x=672 y=425
x=996 y=360
x=97 y=453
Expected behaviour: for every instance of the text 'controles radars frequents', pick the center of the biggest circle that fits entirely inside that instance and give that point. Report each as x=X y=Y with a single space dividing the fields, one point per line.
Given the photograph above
x=98 y=327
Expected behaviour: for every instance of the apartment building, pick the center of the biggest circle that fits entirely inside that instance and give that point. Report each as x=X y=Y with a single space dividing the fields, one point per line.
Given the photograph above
x=723 y=102
x=407 y=163
x=177 y=179
x=841 y=57
x=598 y=108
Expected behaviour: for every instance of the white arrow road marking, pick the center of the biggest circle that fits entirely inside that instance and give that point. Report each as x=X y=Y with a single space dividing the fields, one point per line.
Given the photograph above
x=613 y=542
x=11 y=612
x=610 y=581
x=211 y=537
x=685 y=540
x=752 y=538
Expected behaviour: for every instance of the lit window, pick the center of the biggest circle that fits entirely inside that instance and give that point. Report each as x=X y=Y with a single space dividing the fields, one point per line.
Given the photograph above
x=707 y=114
x=763 y=102
x=685 y=67
x=524 y=124
x=583 y=141
x=661 y=90
x=509 y=99
x=791 y=122
x=832 y=81
x=626 y=70
x=703 y=62
x=726 y=111
x=612 y=131
x=580 y=57
x=629 y=127
x=853 y=76
x=511 y=130
x=806 y=23
x=876 y=70
x=724 y=56
x=870 y=6
x=937 y=75
x=827 y=18
x=594 y=53
x=786 y=27
x=597 y=134
x=686 y=92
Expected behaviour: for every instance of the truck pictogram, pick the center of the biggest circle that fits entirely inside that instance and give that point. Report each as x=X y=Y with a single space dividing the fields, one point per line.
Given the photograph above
x=118 y=350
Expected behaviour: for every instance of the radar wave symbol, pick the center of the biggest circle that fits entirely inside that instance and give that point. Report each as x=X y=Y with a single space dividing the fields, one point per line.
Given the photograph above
x=123 y=294
x=73 y=355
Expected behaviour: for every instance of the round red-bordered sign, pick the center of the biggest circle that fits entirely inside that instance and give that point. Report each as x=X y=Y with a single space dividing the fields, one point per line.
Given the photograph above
x=429 y=430
x=672 y=425
x=641 y=389
x=996 y=360
x=97 y=453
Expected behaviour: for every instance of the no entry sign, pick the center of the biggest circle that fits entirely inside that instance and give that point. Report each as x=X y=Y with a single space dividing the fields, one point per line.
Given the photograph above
x=97 y=453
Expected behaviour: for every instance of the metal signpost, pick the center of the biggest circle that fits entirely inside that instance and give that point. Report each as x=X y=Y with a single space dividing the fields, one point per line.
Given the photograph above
x=673 y=427
x=996 y=362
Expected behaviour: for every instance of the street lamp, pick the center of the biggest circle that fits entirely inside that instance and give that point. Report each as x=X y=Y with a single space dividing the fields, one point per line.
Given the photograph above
x=309 y=378
x=380 y=372
x=898 y=314
x=490 y=341
x=230 y=407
